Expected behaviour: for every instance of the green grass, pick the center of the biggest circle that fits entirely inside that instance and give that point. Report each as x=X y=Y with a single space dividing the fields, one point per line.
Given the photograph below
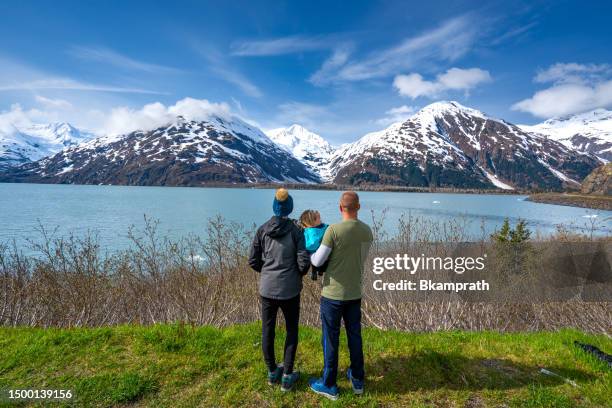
x=181 y=366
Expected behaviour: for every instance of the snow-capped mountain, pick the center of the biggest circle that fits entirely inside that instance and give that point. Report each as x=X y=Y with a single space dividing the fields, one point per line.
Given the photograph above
x=444 y=144
x=306 y=146
x=586 y=132
x=183 y=153
x=19 y=145
x=447 y=144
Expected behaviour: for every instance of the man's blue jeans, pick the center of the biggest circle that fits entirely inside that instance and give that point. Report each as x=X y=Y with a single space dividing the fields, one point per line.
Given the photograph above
x=332 y=312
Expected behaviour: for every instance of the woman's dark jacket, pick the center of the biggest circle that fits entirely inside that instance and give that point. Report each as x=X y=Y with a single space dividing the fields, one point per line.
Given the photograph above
x=278 y=252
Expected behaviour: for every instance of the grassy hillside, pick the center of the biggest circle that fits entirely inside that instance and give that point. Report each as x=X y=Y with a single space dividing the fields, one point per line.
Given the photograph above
x=182 y=366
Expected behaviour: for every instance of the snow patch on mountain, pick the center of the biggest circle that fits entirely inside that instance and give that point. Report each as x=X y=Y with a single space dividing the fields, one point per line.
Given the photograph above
x=497 y=182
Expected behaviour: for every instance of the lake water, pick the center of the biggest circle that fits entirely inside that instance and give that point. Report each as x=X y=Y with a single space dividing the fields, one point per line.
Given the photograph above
x=110 y=210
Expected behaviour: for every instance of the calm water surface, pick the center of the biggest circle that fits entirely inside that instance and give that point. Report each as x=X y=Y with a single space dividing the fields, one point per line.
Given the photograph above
x=110 y=210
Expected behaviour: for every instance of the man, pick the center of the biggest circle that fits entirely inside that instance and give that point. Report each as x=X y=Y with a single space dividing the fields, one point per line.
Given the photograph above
x=279 y=254
x=346 y=245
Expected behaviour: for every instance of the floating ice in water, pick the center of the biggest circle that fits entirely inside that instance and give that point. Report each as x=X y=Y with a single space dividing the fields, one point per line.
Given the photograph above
x=436 y=202
x=198 y=258
x=590 y=216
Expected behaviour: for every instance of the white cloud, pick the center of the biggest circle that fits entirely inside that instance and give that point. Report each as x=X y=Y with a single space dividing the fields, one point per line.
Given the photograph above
x=70 y=85
x=118 y=120
x=237 y=104
x=12 y=118
x=455 y=79
x=279 y=46
x=236 y=78
x=565 y=99
x=514 y=33
x=447 y=42
x=414 y=85
x=218 y=65
x=17 y=76
x=463 y=79
x=341 y=51
x=573 y=73
x=305 y=114
x=399 y=114
x=336 y=60
x=111 y=57
x=53 y=103
x=17 y=117
x=151 y=116
x=575 y=88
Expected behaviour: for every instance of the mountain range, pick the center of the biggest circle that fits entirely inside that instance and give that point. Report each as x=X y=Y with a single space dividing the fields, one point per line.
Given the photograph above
x=182 y=153
x=444 y=144
x=589 y=132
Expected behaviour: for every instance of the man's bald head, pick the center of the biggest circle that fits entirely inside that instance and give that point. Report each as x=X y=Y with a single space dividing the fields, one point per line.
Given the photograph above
x=349 y=202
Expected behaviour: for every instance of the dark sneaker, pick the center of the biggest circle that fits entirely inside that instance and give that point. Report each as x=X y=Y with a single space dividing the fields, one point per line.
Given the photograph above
x=317 y=385
x=357 y=384
x=289 y=381
x=274 y=377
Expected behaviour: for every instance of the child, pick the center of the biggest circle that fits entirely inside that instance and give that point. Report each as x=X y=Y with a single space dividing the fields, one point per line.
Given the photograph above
x=314 y=230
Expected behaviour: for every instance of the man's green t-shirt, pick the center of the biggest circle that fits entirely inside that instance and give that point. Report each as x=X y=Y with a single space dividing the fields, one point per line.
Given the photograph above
x=349 y=241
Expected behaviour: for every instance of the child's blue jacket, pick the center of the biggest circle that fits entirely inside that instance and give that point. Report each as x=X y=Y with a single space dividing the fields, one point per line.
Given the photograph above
x=313 y=236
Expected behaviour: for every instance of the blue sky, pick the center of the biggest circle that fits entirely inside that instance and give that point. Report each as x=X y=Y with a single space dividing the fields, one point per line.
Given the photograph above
x=339 y=68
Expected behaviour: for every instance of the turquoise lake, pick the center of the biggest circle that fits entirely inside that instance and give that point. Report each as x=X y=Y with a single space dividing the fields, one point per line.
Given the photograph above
x=110 y=210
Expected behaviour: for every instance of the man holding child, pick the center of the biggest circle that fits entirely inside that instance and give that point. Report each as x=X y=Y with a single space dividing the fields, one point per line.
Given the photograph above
x=341 y=253
x=345 y=245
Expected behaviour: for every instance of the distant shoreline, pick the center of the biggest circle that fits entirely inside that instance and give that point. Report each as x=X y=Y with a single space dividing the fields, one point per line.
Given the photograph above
x=573 y=200
x=390 y=188
x=328 y=187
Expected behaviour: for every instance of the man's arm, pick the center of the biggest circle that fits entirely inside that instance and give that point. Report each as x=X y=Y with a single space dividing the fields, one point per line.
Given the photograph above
x=255 y=258
x=320 y=256
x=325 y=249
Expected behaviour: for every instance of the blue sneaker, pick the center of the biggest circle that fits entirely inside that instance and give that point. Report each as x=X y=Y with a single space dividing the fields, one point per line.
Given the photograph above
x=317 y=385
x=289 y=381
x=274 y=377
x=357 y=384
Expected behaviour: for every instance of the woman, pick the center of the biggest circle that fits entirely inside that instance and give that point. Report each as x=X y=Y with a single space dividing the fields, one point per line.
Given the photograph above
x=278 y=253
